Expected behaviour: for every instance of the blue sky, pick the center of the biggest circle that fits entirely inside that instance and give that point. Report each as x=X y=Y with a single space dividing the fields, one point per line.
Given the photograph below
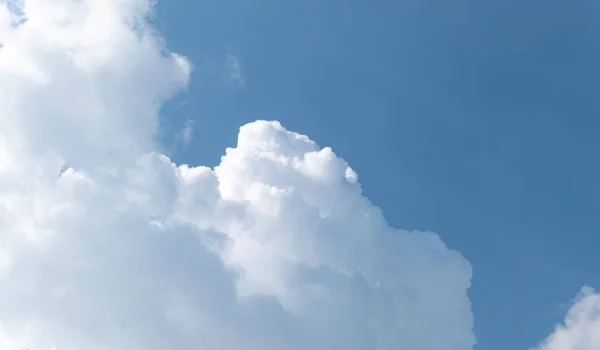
x=477 y=121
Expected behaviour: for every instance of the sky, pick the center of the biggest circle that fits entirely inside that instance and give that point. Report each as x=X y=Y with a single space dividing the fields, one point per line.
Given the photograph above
x=231 y=175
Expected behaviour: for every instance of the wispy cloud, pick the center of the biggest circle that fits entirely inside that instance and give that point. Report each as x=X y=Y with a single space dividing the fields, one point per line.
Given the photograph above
x=234 y=70
x=186 y=134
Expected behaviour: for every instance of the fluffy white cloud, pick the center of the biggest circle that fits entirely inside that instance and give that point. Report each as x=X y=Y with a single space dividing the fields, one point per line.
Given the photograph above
x=581 y=329
x=105 y=244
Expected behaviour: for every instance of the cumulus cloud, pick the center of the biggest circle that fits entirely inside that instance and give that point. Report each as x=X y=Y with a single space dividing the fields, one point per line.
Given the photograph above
x=106 y=244
x=581 y=328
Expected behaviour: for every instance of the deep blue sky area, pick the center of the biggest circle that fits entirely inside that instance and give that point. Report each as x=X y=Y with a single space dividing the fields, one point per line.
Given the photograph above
x=476 y=120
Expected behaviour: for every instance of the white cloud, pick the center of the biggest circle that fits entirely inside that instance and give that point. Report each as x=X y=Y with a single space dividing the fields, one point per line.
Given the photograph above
x=186 y=134
x=234 y=70
x=581 y=328
x=276 y=248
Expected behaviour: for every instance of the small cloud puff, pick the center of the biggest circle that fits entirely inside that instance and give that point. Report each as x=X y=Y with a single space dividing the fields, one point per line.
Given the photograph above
x=234 y=70
x=186 y=134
